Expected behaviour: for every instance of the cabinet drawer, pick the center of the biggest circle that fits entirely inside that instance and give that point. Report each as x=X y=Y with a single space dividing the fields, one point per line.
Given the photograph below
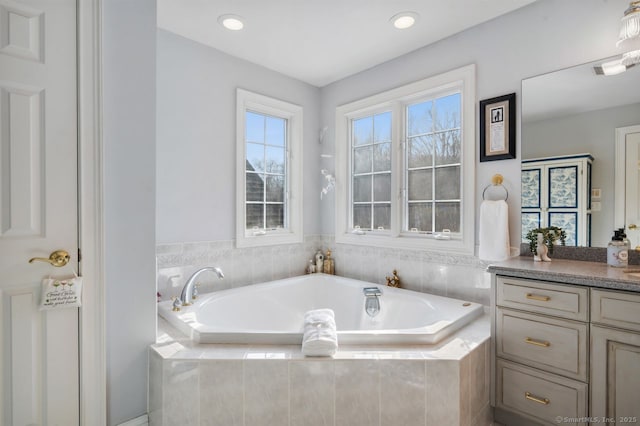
x=542 y=297
x=541 y=396
x=616 y=308
x=551 y=344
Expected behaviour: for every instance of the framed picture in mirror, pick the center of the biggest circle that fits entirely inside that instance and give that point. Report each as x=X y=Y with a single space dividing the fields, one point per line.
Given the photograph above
x=498 y=128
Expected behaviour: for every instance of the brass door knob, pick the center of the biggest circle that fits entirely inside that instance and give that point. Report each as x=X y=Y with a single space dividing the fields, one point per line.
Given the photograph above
x=633 y=226
x=57 y=258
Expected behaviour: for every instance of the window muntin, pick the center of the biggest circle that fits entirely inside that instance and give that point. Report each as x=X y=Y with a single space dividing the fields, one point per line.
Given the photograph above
x=371 y=172
x=432 y=172
x=266 y=171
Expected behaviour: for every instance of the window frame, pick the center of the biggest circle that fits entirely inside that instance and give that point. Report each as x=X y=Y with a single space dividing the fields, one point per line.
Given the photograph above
x=247 y=101
x=396 y=101
x=363 y=114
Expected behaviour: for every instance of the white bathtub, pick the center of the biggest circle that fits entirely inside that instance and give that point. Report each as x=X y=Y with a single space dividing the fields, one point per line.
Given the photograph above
x=272 y=313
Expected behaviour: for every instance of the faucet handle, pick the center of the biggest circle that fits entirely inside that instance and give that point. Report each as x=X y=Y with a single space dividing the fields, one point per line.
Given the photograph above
x=177 y=304
x=194 y=293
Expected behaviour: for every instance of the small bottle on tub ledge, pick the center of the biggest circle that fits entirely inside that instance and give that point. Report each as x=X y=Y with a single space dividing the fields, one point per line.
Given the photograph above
x=319 y=261
x=329 y=265
x=311 y=267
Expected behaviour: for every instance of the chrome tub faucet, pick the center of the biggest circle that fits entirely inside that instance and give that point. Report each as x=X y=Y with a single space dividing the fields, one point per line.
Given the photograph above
x=189 y=289
x=372 y=303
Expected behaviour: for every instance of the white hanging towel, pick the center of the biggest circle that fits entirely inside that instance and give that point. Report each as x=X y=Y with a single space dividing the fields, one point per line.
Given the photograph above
x=494 y=230
x=320 y=336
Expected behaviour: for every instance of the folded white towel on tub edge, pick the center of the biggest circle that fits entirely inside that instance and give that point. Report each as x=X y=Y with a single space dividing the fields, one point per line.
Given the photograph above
x=320 y=336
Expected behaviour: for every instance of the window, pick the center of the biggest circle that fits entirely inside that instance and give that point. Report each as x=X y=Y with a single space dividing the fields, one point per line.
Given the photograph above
x=371 y=171
x=266 y=165
x=432 y=171
x=408 y=156
x=269 y=183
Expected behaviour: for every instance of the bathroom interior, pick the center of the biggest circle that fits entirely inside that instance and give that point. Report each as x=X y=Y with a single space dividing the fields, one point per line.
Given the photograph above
x=158 y=375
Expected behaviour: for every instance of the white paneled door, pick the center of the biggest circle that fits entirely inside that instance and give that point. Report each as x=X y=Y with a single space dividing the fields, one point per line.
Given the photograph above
x=38 y=210
x=632 y=185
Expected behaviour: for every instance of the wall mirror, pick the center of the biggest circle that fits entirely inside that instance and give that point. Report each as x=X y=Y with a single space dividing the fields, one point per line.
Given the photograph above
x=565 y=115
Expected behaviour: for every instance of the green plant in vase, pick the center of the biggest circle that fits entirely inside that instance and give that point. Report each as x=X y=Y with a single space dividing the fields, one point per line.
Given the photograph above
x=550 y=235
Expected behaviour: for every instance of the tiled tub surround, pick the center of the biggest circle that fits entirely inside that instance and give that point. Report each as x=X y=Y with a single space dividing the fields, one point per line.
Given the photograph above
x=460 y=277
x=236 y=385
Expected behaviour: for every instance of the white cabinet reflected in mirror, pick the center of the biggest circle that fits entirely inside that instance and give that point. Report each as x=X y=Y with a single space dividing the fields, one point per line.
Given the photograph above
x=573 y=115
x=556 y=192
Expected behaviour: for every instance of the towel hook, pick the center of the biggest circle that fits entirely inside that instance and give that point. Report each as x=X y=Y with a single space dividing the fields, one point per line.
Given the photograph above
x=496 y=180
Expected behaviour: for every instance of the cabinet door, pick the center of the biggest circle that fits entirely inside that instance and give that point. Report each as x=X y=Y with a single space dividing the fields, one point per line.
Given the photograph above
x=615 y=387
x=531 y=199
x=562 y=199
x=556 y=192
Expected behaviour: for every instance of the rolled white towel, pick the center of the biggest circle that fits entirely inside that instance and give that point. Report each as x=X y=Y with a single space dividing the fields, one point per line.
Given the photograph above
x=319 y=315
x=320 y=337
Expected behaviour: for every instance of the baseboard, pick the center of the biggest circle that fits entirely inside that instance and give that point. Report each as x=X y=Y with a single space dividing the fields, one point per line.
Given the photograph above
x=138 y=421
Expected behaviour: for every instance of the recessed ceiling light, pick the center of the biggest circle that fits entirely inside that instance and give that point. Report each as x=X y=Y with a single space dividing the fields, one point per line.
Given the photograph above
x=404 y=20
x=231 y=22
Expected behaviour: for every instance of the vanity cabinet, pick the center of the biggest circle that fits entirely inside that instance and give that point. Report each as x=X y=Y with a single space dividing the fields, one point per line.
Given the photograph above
x=565 y=351
x=556 y=191
x=541 y=337
x=615 y=356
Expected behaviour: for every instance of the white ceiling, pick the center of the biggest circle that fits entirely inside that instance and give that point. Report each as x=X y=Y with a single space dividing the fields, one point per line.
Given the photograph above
x=323 y=41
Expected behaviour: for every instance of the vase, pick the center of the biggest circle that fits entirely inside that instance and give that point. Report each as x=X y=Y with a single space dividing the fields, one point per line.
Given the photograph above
x=541 y=254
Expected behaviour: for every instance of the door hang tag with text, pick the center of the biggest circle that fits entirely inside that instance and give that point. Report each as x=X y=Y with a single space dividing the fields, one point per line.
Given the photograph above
x=61 y=293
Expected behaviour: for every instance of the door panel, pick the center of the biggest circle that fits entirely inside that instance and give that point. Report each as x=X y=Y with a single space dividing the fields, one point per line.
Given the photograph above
x=38 y=209
x=24 y=357
x=21 y=181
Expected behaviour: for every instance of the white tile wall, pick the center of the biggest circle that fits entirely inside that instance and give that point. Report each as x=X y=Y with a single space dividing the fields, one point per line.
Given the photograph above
x=221 y=393
x=311 y=393
x=253 y=385
x=402 y=391
x=323 y=392
x=357 y=393
x=407 y=387
x=461 y=277
x=266 y=395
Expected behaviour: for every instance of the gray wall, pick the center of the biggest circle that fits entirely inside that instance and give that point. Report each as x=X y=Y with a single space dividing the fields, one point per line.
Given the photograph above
x=129 y=46
x=196 y=107
x=542 y=37
x=592 y=132
x=196 y=154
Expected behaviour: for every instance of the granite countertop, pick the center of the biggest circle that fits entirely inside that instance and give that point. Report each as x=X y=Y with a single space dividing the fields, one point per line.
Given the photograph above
x=591 y=274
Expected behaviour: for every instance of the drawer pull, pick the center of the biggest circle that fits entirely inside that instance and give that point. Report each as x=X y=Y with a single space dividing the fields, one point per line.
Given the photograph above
x=538 y=298
x=531 y=341
x=532 y=397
